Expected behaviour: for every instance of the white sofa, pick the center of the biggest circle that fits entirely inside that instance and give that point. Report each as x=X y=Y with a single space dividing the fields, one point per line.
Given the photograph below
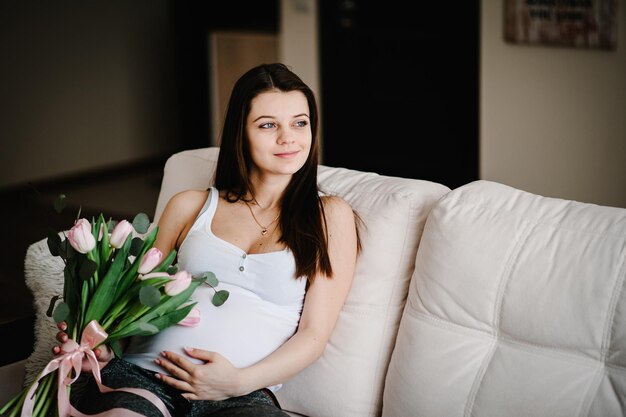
x=480 y=301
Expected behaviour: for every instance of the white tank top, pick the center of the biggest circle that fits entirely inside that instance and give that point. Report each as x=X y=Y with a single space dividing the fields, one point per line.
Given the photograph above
x=261 y=313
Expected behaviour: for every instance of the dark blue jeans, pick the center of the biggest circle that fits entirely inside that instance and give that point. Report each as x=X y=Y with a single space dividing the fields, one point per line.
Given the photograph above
x=87 y=398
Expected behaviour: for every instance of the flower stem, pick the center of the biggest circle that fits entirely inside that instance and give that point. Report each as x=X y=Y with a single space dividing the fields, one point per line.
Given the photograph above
x=93 y=280
x=116 y=312
x=83 y=306
x=41 y=396
x=136 y=314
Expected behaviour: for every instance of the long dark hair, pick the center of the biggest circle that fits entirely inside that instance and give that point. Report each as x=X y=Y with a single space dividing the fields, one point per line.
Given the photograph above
x=302 y=221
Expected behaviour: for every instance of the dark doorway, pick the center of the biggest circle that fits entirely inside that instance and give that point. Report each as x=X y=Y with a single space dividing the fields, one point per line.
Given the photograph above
x=399 y=89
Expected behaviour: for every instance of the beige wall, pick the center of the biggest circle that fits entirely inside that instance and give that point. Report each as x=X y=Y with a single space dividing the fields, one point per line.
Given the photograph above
x=85 y=85
x=232 y=54
x=553 y=119
x=298 y=45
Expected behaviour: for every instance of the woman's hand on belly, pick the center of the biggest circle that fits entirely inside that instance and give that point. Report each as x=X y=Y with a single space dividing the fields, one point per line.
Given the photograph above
x=215 y=379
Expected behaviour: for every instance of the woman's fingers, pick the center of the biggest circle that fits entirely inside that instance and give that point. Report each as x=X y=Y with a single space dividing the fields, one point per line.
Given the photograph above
x=62 y=336
x=174 y=382
x=179 y=360
x=103 y=353
x=175 y=370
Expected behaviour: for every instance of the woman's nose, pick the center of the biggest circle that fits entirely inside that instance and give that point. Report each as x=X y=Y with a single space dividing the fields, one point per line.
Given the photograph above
x=285 y=137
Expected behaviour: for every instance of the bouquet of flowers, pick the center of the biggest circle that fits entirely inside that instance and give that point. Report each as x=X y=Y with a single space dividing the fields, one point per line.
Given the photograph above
x=116 y=285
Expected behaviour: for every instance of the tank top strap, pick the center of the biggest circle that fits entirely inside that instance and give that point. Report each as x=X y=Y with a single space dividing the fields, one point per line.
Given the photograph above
x=208 y=210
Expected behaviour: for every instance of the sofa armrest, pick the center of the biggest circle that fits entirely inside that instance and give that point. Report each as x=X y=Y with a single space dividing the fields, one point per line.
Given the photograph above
x=11 y=378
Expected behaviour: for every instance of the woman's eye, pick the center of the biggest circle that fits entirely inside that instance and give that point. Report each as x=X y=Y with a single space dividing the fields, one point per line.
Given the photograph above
x=267 y=125
x=302 y=123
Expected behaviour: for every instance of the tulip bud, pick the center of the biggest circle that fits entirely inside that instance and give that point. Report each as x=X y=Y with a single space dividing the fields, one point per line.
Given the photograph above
x=192 y=319
x=80 y=236
x=120 y=233
x=150 y=260
x=179 y=283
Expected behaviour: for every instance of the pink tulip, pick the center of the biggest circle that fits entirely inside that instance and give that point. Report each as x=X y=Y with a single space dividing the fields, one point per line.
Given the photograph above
x=80 y=236
x=120 y=233
x=150 y=260
x=192 y=319
x=179 y=283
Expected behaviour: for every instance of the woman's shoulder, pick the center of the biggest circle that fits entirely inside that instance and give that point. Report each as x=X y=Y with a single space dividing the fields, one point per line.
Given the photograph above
x=188 y=199
x=336 y=207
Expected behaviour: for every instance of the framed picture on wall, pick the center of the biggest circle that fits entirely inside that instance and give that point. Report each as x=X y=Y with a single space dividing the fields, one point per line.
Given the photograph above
x=575 y=23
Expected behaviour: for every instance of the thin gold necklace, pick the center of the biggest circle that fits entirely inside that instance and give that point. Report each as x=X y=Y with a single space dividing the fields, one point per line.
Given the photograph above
x=263 y=228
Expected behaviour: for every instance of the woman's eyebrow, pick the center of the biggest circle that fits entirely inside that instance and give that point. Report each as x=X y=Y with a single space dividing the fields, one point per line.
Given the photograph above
x=272 y=117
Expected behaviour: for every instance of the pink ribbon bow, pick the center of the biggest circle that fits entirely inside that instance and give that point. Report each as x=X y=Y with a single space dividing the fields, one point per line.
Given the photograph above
x=71 y=357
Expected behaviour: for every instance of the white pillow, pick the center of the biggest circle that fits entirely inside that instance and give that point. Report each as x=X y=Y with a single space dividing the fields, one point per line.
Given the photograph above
x=517 y=308
x=348 y=379
x=186 y=170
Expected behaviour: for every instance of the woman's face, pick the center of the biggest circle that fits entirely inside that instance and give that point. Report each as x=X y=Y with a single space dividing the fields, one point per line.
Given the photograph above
x=279 y=132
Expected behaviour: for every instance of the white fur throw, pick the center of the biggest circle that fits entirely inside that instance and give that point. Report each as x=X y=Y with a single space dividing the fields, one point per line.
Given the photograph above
x=43 y=274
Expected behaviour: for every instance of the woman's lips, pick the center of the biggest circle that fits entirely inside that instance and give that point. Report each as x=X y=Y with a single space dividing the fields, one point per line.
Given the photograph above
x=287 y=154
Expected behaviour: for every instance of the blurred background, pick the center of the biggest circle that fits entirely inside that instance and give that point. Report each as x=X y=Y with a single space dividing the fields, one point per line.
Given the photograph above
x=96 y=95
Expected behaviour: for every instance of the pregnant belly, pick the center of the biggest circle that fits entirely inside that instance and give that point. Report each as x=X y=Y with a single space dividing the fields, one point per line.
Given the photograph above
x=245 y=329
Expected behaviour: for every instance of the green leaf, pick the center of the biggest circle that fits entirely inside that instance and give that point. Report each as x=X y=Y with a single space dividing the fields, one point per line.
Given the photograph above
x=63 y=249
x=220 y=297
x=130 y=275
x=149 y=296
x=126 y=309
x=105 y=248
x=135 y=246
x=137 y=328
x=172 y=303
x=53 y=301
x=172 y=269
x=141 y=222
x=87 y=268
x=172 y=318
x=117 y=348
x=61 y=312
x=67 y=251
x=107 y=291
x=54 y=243
x=59 y=203
x=96 y=226
x=147 y=329
x=211 y=279
x=70 y=288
